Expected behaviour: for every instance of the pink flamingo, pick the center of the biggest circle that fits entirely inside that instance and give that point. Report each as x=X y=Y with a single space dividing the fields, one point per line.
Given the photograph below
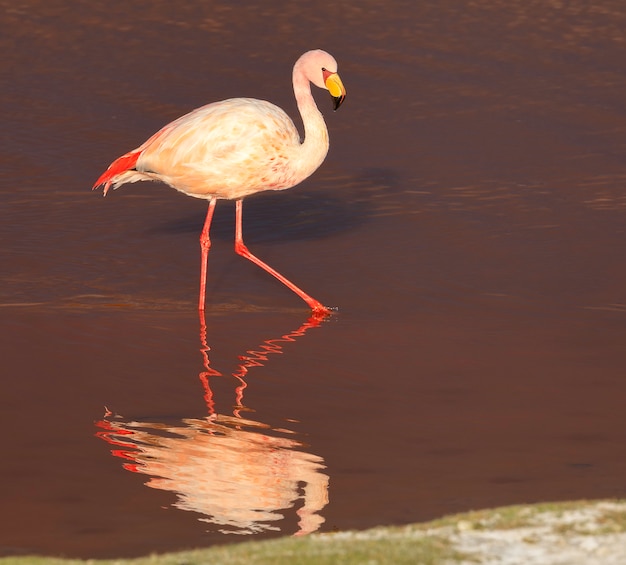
x=234 y=148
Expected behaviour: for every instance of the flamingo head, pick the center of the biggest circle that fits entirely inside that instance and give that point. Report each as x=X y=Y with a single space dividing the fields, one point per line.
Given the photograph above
x=320 y=68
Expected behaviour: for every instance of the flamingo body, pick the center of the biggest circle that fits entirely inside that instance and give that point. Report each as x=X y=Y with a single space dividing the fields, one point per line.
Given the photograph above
x=228 y=149
x=236 y=147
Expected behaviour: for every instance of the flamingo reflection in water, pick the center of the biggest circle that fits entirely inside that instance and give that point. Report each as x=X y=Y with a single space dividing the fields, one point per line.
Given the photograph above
x=237 y=473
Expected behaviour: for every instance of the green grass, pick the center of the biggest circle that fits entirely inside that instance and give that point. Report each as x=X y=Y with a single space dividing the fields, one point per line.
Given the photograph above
x=378 y=546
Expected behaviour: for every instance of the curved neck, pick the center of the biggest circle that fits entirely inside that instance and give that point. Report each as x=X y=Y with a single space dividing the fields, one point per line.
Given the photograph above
x=315 y=144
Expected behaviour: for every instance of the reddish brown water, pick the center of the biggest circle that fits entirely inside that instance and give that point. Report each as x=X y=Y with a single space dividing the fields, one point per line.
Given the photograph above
x=468 y=224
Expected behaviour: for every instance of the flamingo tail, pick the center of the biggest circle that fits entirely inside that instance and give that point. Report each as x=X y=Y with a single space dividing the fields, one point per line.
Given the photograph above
x=117 y=167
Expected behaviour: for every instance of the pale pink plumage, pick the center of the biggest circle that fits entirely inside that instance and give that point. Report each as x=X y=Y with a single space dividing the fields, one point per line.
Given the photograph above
x=236 y=147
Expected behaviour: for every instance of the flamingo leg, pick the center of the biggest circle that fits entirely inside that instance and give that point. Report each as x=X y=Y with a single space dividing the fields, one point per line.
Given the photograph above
x=241 y=249
x=205 y=245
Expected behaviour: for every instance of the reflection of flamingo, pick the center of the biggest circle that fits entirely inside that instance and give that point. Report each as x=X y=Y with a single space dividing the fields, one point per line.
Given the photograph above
x=236 y=472
x=237 y=147
x=229 y=470
x=253 y=358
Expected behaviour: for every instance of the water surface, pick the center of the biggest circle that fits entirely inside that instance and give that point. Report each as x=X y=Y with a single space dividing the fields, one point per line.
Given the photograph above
x=468 y=225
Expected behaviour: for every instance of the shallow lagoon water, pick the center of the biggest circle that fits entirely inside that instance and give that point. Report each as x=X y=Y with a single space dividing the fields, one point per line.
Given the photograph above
x=468 y=225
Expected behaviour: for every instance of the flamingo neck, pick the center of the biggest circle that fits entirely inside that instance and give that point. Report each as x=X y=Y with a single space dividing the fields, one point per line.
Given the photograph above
x=314 y=147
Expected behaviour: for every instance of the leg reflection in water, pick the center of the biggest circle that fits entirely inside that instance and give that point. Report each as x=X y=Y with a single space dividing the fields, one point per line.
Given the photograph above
x=239 y=474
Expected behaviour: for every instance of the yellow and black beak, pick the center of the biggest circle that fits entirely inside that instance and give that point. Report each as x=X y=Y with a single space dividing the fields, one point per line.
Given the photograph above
x=335 y=87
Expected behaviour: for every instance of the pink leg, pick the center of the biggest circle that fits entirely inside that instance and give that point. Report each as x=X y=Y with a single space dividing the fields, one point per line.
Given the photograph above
x=205 y=245
x=241 y=249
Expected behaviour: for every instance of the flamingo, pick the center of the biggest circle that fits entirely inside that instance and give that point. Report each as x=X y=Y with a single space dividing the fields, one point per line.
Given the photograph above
x=237 y=147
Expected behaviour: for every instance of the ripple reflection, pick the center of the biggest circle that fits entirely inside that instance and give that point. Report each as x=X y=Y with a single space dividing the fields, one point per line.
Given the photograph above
x=239 y=474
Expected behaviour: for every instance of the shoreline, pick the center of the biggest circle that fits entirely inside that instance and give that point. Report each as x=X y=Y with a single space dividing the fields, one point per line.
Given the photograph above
x=585 y=532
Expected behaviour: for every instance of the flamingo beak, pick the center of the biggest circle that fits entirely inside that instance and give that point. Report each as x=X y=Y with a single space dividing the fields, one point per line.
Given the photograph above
x=335 y=87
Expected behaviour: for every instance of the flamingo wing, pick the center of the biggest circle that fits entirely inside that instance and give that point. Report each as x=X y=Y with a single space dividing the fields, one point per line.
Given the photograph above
x=227 y=149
